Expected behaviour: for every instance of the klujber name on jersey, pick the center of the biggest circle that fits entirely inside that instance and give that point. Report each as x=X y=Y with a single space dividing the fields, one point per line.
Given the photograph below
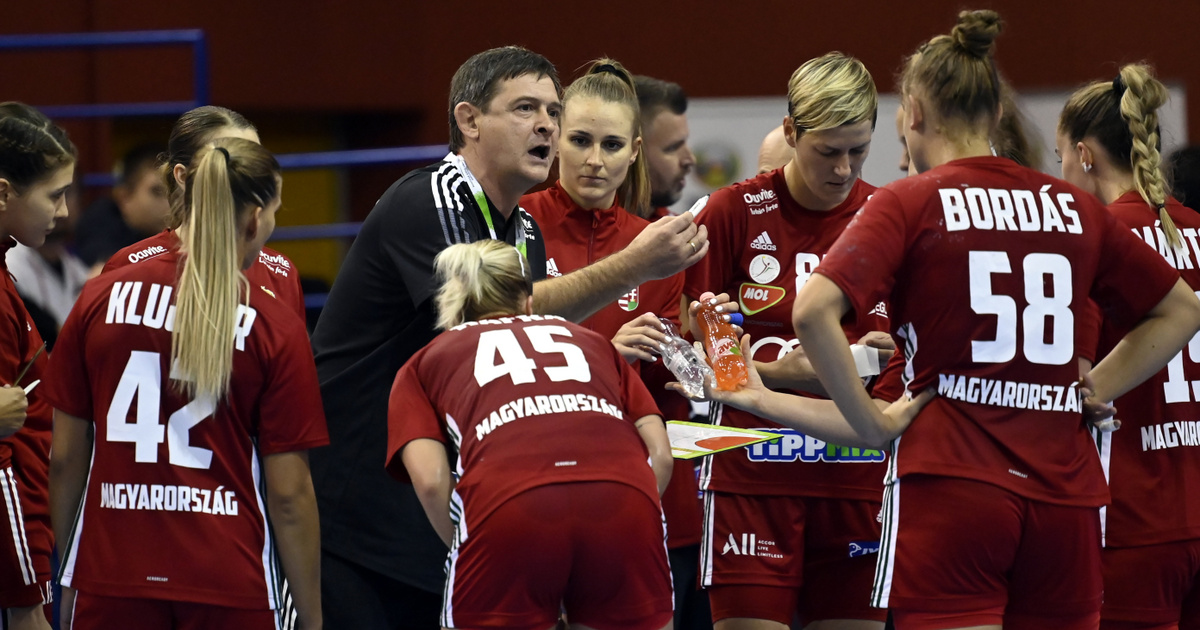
x=126 y=305
x=1011 y=210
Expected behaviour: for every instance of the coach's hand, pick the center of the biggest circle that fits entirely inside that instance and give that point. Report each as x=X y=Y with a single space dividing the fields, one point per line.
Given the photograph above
x=668 y=246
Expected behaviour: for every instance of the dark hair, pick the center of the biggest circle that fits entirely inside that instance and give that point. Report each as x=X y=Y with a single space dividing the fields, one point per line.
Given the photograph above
x=1185 y=176
x=137 y=160
x=609 y=81
x=1122 y=115
x=957 y=72
x=476 y=80
x=654 y=95
x=1012 y=138
x=191 y=132
x=31 y=146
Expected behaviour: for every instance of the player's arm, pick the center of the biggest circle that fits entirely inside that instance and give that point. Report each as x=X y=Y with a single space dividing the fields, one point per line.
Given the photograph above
x=654 y=434
x=817 y=317
x=429 y=470
x=819 y=418
x=70 y=455
x=1149 y=345
x=663 y=249
x=292 y=505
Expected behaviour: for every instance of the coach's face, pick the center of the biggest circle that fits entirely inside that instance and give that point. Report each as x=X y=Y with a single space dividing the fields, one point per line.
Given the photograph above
x=518 y=132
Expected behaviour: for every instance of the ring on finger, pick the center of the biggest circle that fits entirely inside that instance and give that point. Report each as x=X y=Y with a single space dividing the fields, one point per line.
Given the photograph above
x=694 y=250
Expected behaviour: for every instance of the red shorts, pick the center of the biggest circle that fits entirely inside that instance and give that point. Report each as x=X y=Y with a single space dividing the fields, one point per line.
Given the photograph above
x=768 y=557
x=1149 y=586
x=24 y=546
x=95 y=612
x=595 y=549
x=960 y=553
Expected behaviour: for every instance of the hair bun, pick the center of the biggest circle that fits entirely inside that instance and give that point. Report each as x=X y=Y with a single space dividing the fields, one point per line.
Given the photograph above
x=976 y=31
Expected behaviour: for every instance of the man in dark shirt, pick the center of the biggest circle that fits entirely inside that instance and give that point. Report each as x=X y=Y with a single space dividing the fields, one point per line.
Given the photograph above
x=383 y=565
x=138 y=208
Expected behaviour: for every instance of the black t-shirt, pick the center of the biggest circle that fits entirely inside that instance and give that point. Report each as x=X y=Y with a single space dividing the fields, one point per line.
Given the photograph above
x=379 y=313
x=101 y=232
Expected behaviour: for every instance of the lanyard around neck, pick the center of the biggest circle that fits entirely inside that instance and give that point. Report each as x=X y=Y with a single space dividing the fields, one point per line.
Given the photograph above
x=481 y=201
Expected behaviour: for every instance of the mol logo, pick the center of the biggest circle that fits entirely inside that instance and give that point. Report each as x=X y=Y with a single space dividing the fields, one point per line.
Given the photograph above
x=793 y=445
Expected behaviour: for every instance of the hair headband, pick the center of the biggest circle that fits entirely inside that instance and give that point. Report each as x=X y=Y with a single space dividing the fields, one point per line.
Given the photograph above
x=608 y=68
x=226 y=154
x=1118 y=86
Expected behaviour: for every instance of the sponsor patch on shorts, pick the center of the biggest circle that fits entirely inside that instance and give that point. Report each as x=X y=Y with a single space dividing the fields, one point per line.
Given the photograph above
x=863 y=547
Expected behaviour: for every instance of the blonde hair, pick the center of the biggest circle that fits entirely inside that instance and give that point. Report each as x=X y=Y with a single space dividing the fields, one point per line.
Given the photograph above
x=830 y=91
x=957 y=72
x=609 y=81
x=480 y=278
x=1122 y=115
x=228 y=180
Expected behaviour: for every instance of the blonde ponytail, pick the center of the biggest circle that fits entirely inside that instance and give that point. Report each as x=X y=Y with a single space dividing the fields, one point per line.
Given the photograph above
x=227 y=182
x=1143 y=95
x=480 y=278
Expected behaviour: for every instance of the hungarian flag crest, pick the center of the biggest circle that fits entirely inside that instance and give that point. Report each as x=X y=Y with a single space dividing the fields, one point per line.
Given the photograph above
x=629 y=301
x=756 y=298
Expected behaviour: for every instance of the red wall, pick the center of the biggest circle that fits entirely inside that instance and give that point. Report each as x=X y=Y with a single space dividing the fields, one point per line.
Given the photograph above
x=397 y=56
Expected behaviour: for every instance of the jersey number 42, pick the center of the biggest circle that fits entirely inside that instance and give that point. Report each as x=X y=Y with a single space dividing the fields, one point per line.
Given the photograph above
x=143 y=378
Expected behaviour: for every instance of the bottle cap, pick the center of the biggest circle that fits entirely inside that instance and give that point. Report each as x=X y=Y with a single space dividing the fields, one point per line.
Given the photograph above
x=736 y=319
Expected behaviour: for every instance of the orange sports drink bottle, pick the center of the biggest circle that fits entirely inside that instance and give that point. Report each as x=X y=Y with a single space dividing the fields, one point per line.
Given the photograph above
x=721 y=343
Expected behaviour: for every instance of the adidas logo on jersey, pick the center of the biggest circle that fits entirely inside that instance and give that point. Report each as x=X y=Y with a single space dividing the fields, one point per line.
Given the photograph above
x=552 y=268
x=763 y=242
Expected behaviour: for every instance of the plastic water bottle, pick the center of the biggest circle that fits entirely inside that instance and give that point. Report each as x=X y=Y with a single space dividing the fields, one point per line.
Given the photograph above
x=721 y=342
x=684 y=362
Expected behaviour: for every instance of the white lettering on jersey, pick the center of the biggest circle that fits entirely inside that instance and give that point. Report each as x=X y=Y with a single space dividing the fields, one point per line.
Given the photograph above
x=761 y=202
x=997 y=393
x=1178 y=258
x=276 y=263
x=157 y=312
x=540 y=405
x=1011 y=210
x=763 y=242
x=1170 y=435
x=751 y=545
x=168 y=498
x=149 y=252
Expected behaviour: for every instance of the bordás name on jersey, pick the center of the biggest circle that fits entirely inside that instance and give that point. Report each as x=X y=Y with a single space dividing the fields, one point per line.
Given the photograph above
x=168 y=498
x=997 y=393
x=1012 y=210
x=127 y=305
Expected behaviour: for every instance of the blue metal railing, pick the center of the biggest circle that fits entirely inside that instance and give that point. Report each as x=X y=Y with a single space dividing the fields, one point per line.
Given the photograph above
x=122 y=39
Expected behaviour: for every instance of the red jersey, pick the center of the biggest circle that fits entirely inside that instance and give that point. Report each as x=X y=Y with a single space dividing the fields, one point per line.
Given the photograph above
x=543 y=401
x=1153 y=461
x=763 y=246
x=27 y=450
x=991 y=265
x=273 y=272
x=575 y=238
x=175 y=500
